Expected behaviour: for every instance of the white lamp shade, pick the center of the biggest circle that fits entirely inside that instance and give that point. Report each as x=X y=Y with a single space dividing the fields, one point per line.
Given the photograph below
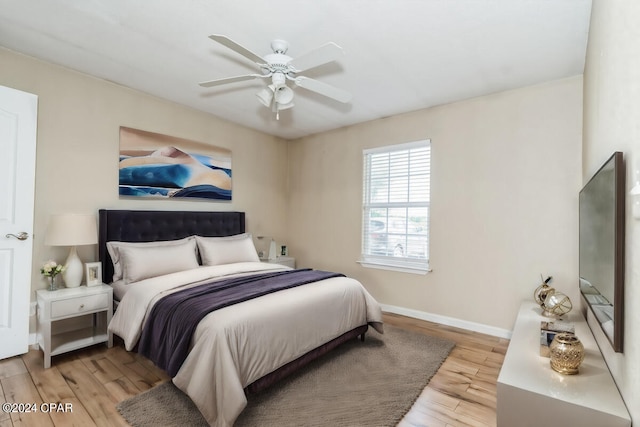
x=265 y=96
x=71 y=230
x=285 y=106
x=284 y=95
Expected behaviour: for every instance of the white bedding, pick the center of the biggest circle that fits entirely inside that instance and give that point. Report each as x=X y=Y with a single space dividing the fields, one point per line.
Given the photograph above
x=234 y=346
x=119 y=289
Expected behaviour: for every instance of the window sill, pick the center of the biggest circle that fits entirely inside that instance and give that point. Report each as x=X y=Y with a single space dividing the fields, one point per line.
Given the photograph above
x=391 y=266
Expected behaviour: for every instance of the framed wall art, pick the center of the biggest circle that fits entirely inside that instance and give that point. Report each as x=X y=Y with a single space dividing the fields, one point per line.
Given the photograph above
x=160 y=166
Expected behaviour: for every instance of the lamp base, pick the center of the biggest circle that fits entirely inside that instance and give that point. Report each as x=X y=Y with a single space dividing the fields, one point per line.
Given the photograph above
x=272 y=250
x=73 y=270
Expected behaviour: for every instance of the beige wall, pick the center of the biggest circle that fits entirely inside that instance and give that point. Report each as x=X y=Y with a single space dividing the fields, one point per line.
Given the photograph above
x=506 y=170
x=77 y=151
x=506 y=173
x=612 y=123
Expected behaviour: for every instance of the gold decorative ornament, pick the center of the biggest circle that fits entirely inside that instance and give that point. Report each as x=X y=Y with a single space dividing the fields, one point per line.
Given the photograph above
x=566 y=353
x=556 y=304
x=541 y=291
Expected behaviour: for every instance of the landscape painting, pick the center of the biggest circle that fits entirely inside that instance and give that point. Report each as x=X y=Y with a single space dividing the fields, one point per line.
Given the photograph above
x=160 y=166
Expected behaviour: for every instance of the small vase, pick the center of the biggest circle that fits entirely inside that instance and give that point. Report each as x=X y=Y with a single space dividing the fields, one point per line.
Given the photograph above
x=52 y=283
x=567 y=353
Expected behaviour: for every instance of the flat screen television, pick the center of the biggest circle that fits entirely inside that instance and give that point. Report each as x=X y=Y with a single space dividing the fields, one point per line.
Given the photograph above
x=602 y=217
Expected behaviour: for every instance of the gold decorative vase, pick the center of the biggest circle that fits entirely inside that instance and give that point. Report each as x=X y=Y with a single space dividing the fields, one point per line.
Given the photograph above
x=566 y=353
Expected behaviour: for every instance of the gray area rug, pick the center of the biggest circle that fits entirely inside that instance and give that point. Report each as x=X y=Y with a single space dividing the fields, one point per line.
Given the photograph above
x=371 y=383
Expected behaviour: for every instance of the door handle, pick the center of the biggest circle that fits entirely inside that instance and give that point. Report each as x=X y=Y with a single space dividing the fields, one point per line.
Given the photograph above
x=20 y=236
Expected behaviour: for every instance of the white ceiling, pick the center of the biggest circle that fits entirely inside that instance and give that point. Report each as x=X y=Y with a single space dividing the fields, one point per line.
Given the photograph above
x=400 y=55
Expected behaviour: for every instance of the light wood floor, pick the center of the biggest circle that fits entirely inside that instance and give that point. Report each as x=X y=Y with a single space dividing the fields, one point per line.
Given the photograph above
x=93 y=380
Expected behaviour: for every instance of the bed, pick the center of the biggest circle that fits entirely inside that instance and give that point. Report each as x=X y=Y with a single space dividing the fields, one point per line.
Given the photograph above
x=239 y=348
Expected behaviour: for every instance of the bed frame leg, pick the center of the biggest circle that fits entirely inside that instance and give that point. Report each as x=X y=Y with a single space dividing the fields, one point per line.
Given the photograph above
x=362 y=336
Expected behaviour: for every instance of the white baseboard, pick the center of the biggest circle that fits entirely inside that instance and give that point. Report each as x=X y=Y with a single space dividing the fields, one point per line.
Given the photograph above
x=449 y=321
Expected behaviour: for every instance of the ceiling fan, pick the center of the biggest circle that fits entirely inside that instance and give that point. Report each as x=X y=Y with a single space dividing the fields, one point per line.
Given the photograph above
x=281 y=68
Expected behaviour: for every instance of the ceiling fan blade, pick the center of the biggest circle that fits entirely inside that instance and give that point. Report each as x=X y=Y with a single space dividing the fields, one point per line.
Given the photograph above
x=323 y=89
x=326 y=53
x=226 y=41
x=224 y=81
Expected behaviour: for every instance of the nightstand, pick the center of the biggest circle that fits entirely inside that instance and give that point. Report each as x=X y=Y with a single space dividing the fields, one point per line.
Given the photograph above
x=282 y=260
x=73 y=318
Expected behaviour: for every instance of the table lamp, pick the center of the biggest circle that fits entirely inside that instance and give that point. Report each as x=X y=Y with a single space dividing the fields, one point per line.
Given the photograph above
x=72 y=230
x=272 y=254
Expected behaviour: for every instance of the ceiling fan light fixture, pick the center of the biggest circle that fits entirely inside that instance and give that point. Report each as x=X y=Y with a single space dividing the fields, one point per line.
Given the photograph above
x=284 y=96
x=285 y=106
x=277 y=107
x=265 y=96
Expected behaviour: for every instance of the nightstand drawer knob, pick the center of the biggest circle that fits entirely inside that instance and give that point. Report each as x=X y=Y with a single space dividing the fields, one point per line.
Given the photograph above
x=81 y=306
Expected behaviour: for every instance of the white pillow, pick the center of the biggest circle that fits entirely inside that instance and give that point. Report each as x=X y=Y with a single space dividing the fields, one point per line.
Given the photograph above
x=140 y=263
x=114 y=251
x=227 y=250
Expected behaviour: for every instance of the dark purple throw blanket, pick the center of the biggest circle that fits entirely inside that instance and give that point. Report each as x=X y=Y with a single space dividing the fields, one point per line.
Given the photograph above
x=169 y=327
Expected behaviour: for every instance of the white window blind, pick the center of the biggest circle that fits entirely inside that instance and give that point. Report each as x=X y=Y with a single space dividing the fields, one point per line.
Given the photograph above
x=396 y=203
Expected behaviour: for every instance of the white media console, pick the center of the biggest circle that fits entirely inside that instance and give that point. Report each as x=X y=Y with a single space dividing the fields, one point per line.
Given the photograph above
x=530 y=393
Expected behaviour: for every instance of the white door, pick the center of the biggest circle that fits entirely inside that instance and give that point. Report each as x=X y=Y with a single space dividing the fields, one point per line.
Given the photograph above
x=18 y=122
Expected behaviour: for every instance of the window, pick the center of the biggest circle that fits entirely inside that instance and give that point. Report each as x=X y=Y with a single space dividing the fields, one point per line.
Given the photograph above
x=395 y=219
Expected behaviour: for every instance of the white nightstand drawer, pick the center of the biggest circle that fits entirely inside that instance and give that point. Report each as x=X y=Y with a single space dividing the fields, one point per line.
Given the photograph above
x=79 y=305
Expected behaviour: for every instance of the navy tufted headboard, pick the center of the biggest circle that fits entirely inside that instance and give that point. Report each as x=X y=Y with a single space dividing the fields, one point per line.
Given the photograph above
x=148 y=226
